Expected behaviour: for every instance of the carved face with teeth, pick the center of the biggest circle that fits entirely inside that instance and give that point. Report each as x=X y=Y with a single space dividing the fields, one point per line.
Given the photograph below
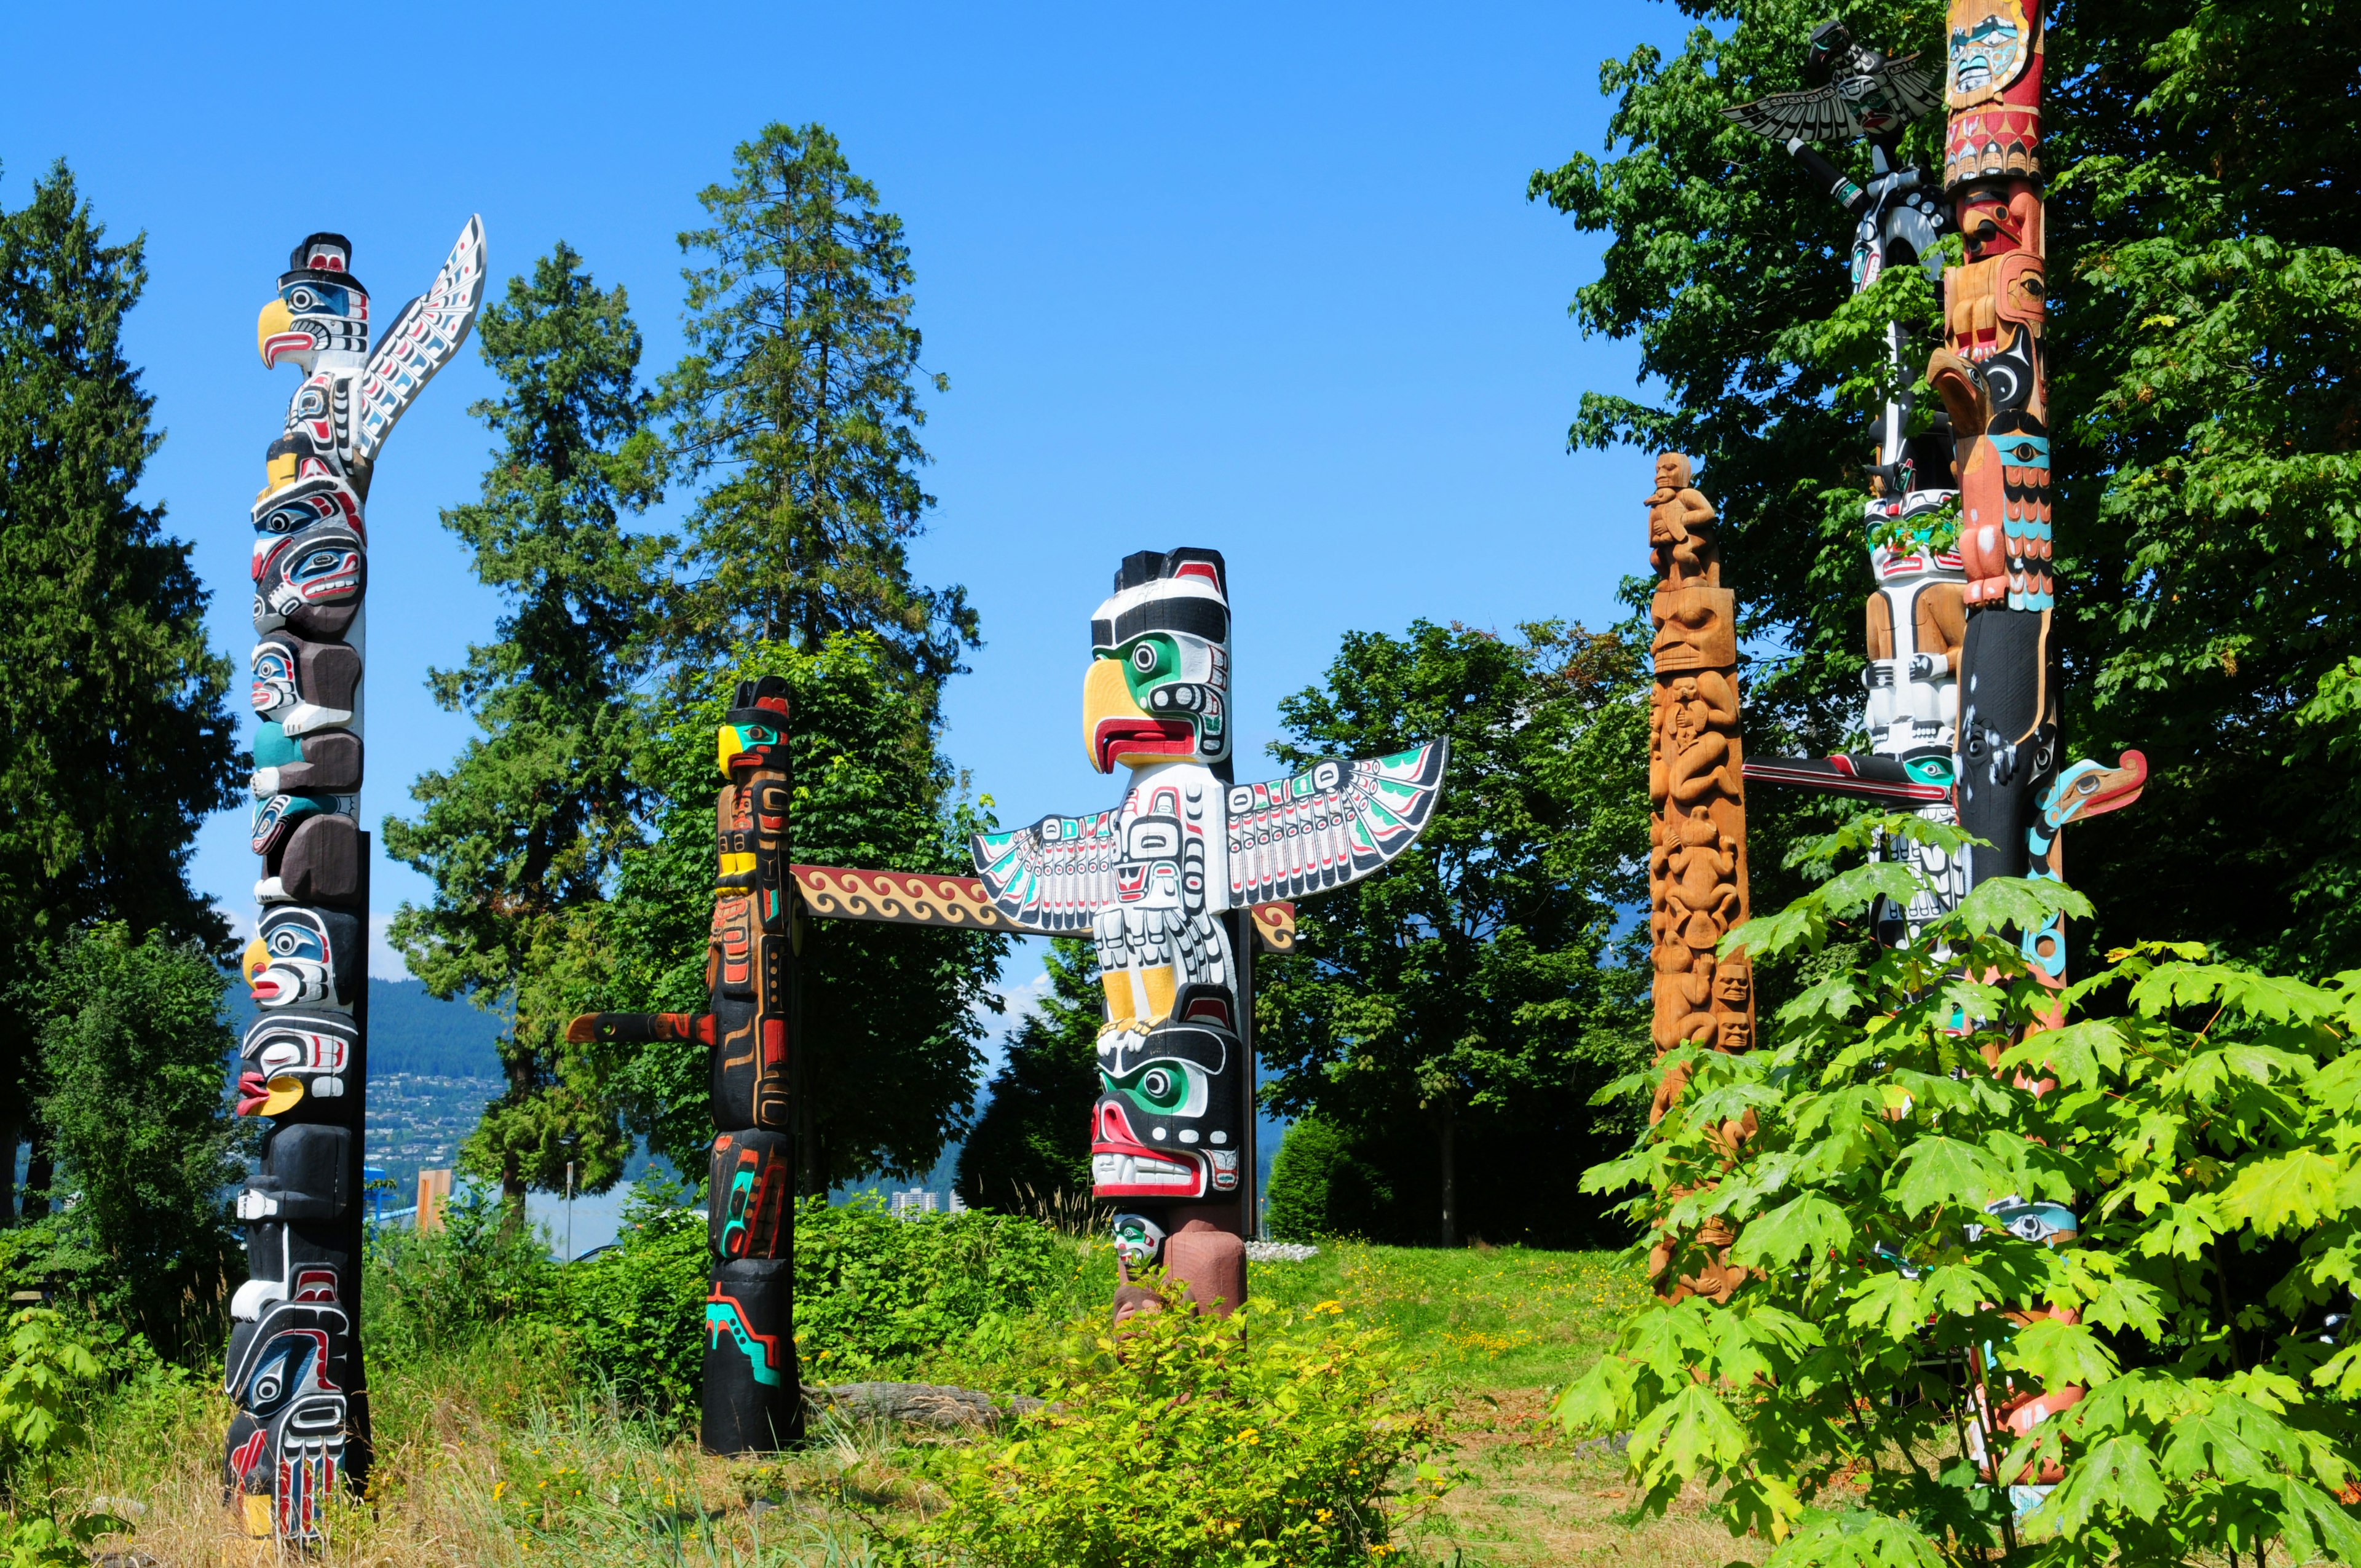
x=291 y=1057
x=1166 y=1119
x=1159 y=688
x=310 y=582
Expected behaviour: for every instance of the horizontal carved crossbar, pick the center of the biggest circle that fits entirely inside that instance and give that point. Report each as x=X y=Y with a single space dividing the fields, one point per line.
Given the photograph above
x=926 y=898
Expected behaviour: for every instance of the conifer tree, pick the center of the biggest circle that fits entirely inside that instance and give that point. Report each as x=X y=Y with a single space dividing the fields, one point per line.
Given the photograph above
x=115 y=740
x=799 y=402
x=523 y=833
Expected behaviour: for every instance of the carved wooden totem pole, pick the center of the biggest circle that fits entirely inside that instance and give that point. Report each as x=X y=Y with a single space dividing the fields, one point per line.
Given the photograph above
x=294 y=1367
x=752 y=1399
x=1696 y=831
x=1963 y=711
x=1177 y=885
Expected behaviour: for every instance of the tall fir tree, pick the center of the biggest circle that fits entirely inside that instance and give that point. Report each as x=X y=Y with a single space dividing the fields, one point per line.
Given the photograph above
x=1032 y=1140
x=522 y=835
x=115 y=740
x=2203 y=275
x=1452 y=1016
x=798 y=401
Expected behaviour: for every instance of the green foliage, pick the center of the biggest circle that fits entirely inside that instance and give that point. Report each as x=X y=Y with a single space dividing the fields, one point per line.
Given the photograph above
x=1320 y=1185
x=131 y=1041
x=635 y=1315
x=1189 y=1442
x=115 y=740
x=42 y=1389
x=2202 y=342
x=522 y=835
x=2203 y=1118
x=887 y=1041
x=875 y=1293
x=427 y=1293
x=1457 y=1011
x=799 y=391
x=1033 y=1139
x=117 y=743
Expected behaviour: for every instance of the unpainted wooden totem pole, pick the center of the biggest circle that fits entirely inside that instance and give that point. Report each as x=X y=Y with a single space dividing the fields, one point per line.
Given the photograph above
x=294 y=1368
x=1696 y=831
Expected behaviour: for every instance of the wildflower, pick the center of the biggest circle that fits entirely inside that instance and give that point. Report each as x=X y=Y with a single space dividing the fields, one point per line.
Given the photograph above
x=498 y=1487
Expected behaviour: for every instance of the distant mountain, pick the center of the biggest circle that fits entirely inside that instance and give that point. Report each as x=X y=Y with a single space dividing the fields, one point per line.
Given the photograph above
x=411 y=1032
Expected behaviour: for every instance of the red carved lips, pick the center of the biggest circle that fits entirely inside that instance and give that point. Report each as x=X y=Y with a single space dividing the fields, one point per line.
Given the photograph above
x=1123 y=1166
x=1141 y=736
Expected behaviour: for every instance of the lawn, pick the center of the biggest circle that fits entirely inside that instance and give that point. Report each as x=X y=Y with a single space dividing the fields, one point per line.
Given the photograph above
x=490 y=1453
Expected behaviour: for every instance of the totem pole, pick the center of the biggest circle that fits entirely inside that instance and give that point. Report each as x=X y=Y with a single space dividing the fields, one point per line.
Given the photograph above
x=1963 y=713
x=1696 y=830
x=1177 y=885
x=752 y=1399
x=294 y=1367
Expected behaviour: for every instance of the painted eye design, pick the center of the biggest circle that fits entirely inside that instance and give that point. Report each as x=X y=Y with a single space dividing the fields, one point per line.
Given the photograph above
x=296 y=942
x=2026 y=452
x=1166 y=1088
x=1143 y=658
x=301 y=299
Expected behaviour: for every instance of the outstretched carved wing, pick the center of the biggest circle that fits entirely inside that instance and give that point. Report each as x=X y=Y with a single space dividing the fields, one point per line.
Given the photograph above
x=1055 y=875
x=1898 y=94
x=426 y=332
x=1331 y=824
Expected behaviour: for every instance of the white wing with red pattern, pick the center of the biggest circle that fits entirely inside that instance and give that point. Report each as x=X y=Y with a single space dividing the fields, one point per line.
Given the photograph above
x=1331 y=824
x=423 y=338
x=1055 y=875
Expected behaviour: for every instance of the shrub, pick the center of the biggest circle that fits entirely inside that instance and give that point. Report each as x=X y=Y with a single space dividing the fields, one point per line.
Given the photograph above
x=2193 y=1348
x=873 y=1292
x=635 y=1314
x=1190 y=1442
x=1319 y=1185
x=47 y=1373
x=424 y=1292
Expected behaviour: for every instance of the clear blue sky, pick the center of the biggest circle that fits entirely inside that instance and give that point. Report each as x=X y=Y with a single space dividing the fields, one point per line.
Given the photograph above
x=1264 y=279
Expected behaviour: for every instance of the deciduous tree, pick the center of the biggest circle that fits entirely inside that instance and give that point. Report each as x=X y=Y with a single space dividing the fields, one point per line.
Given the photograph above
x=1464 y=1004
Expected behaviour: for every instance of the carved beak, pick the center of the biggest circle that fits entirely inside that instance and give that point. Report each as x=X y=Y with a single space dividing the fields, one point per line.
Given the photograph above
x=1117 y=730
x=273 y=333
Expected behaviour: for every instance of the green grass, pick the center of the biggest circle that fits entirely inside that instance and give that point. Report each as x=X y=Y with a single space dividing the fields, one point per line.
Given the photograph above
x=491 y=1453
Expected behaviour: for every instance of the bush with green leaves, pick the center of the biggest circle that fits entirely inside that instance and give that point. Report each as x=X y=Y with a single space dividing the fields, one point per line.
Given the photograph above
x=1277 y=1437
x=875 y=1294
x=1320 y=1185
x=42 y=1386
x=436 y=1290
x=635 y=1313
x=2202 y=1120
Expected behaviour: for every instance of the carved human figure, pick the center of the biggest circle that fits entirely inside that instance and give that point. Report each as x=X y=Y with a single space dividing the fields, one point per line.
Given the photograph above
x=1680 y=527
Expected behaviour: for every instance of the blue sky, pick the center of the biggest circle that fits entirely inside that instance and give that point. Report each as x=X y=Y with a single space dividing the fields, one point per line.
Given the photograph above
x=1200 y=275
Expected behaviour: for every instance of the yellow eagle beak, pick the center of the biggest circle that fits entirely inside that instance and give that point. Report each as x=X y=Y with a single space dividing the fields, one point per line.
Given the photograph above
x=255 y=959
x=727 y=745
x=1105 y=696
x=276 y=321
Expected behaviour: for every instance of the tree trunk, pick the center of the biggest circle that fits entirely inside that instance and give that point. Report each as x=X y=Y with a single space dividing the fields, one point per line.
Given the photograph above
x=40 y=1169
x=1449 y=1141
x=7 y=1168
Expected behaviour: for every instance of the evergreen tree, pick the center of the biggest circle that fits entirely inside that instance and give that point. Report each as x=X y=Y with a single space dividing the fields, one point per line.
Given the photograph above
x=797 y=399
x=131 y=1041
x=2203 y=273
x=1453 y=1016
x=115 y=740
x=522 y=835
x=1033 y=1138
x=885 y=1054
x=1321 y=1187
